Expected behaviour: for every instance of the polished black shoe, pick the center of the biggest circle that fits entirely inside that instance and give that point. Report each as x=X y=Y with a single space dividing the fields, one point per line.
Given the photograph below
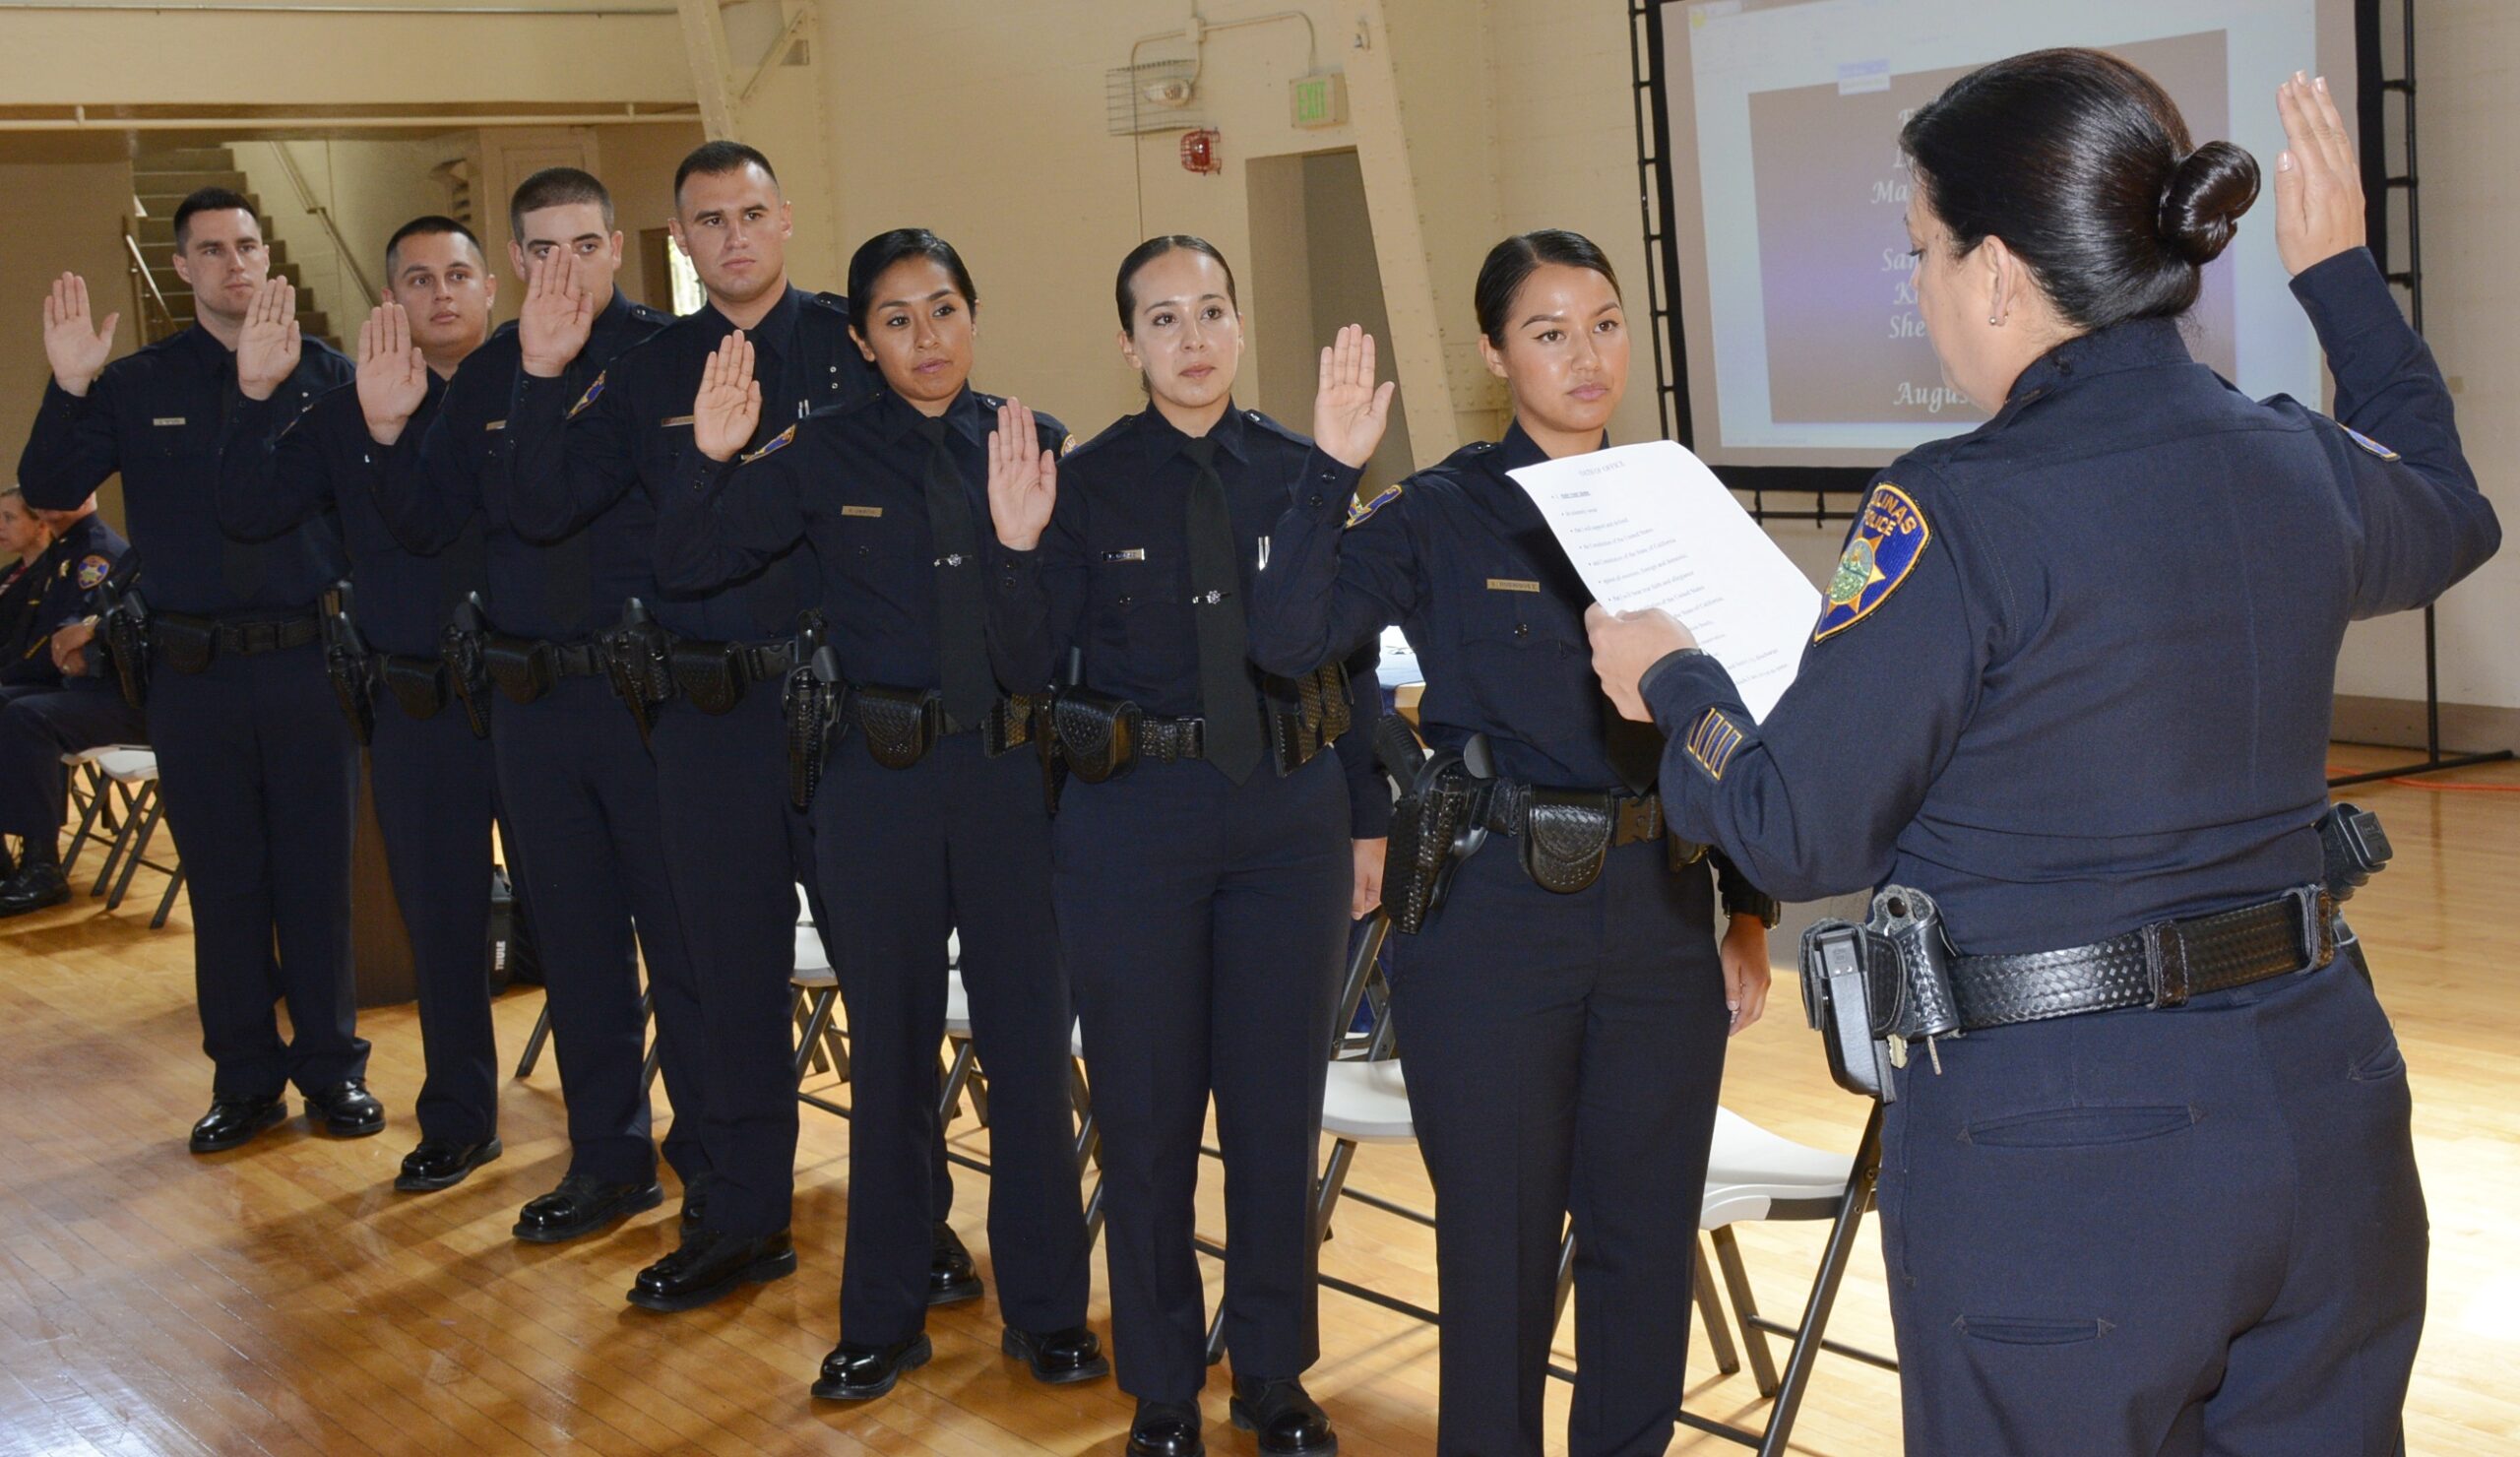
x=855 y=1373
x=348 y=1110
x=1167 y=1428
x=582 y=1205
x=442 y=1164
x=232 y=1122
x=33 y=888
x=952 y=1277
x=1287 y=1418
x=710 y=1265
x=1059 y=1357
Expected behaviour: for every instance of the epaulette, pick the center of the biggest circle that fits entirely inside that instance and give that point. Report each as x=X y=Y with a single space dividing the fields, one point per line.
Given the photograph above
x=832 y=301
x=1293 y=437
x=1360 y=512
x=648 y=315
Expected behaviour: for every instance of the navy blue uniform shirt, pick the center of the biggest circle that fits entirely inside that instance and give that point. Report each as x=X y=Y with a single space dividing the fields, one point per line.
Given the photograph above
x=324 y=461
x=1111 y=575
x=851 y=481
x=2075 y=670
x=626 y=438
x=160 y=418
x=459 y=475
x=61 y=579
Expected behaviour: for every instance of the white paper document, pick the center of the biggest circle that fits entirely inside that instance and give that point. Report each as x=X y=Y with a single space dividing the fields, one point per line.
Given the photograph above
x=1649 y=526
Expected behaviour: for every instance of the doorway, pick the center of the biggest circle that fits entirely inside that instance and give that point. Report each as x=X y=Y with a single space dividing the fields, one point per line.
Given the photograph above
x=1314 y=270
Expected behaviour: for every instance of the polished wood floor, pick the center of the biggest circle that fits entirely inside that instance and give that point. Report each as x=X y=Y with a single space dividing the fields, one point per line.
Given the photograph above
x=284 y=1300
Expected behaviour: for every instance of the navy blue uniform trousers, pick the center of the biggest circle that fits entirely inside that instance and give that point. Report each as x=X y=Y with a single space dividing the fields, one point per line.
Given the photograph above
x=2184 y=1231
x=736 y=852
x=957 y=844
x=435 y=790
x=581 y=793
x=261 y=781
x=1563 y=1055
x=39 y=723
x=1206 y=923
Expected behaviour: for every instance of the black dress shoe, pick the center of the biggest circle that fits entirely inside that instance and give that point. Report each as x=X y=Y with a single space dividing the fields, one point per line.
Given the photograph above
x=710 y=1265
x=582 y=1205
x=1059 y=1357
x=1167 y=1428
x=442 y=1163
x=34 y=888
x=348 y=1110
x=1288 y=1421
x=855 y=1373
x=952 y=1277
x=233 y=1121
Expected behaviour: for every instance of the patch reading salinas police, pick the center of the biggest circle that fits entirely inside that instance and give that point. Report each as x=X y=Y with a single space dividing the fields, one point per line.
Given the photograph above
x=1360 y=512
x=1888 y=538
x=772 y=445
x=93 y=570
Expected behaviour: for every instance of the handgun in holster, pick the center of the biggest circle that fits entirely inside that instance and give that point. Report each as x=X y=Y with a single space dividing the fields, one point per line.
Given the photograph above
x=467 y=670
x=348 y=664
x=2353 y=848
x=1874 y=990
x=123 y=622
x=638 y=659
x=1438 y=822
x=1307 y=714
x=812 y=699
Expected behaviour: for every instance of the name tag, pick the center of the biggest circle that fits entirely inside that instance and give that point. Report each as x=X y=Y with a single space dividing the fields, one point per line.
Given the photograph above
x=870 y=512
x=167 y=419
x=495 y=426
x=1509 y=583
x=671 y=420
x=1134 y=554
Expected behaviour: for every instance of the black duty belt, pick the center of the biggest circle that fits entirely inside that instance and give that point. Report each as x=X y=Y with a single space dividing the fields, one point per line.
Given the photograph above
x=1171 y=740
x=265 y=635
x=1635 y=818
x=2159 y=966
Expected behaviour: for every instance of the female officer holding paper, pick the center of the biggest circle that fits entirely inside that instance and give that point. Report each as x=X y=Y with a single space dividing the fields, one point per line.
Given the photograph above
x=2072 y=683
x=1563 y=1015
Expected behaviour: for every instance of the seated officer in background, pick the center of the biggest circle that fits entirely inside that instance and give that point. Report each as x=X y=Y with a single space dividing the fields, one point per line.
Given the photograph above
x=51 y=700
x=23 y=538
x=260 y=773
x=429 y=761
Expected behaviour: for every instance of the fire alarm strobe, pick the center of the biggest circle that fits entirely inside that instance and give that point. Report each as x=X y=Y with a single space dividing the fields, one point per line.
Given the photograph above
x=1200 y=152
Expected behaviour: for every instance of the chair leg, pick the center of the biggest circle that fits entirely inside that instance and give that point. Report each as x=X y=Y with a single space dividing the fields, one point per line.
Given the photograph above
x=1745 y=1308
x=174 y=885
x=957 y=1077
x=1565 y=1272
x=809 y=1046
x=92 y=804
x=1824 y=1287
x=655 y=1044
x=535 y=1039
x=114 y=847
x=151 y=809
x=1709 y=1310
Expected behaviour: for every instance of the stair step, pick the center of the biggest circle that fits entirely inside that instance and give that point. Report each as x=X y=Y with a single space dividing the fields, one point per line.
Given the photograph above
x=179 y=182
x=182 y=159
x=163 y=204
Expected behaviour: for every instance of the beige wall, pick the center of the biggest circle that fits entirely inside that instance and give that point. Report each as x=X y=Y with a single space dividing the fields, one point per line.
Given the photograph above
x=370 y=187
x=85 y=184
x=636 y=163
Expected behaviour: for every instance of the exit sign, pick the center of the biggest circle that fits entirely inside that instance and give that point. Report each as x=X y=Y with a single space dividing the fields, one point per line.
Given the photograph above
x=1316 y=101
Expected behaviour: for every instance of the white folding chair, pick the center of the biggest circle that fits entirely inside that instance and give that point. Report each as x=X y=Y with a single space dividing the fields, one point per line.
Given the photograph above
x=132 y=774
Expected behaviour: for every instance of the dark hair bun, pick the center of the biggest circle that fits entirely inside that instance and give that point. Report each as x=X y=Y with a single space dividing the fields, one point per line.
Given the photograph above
x=2202 y=203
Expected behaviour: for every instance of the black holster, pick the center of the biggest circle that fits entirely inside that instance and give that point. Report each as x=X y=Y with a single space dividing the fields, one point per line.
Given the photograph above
x=1870 y=990
x=348 y=664
x=524 y=668
x=124 y=624
x=900 y=725
x=710 y=675
x=1439 y=822
x=417 y=684
x=467 y=668
x=1096 y=734
x=2353 y=848
x=637 y=662
x=184 y=642
x=1317 y=714
x=814 y=698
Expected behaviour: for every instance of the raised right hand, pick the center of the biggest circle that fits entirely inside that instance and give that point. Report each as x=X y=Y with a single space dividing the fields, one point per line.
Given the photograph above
x=75 y=347
x=2318 y=188
x=558 y=315
x=1022 y=480
x=729 y=407
x=393 y=377
x=1350 y=410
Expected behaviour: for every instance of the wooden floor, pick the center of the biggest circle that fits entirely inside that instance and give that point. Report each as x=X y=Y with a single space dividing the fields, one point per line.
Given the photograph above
x=283 y=1298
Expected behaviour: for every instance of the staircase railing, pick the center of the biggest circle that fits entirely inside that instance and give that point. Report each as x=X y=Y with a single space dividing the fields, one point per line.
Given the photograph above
x=148 y=307
x=367 y=294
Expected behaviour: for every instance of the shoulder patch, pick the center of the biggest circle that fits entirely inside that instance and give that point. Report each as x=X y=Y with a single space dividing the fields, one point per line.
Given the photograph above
x=1714 y=741
x=772 y=445
x=93 y=569
x=1360 y=512
x=593 y=391
x=1888 y=537
x=2367 y=443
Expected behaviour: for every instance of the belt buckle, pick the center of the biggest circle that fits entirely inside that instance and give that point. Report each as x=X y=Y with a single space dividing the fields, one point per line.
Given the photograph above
x=2166 y=962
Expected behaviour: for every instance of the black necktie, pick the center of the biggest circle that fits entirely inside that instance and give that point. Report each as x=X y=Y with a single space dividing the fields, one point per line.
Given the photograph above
x=242 y=567
x=1226 y=697
x=961 y=633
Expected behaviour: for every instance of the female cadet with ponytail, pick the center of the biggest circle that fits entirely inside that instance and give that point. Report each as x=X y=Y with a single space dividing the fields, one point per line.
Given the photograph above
x=2070 y=688
x=1204 y=883
x=1563 y=1015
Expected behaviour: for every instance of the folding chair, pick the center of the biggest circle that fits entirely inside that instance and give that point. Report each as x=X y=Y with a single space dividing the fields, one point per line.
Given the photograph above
x=131 y=774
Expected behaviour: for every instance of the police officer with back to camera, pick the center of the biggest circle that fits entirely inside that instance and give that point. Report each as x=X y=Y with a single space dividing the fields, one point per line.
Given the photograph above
x=1560 y=993
x=2068 y=698
x=55 y=697
x=429 y=771
x=572 y=775
x=1204 y=866
x=932 y=822
x=734 y=844
x=258 y=772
